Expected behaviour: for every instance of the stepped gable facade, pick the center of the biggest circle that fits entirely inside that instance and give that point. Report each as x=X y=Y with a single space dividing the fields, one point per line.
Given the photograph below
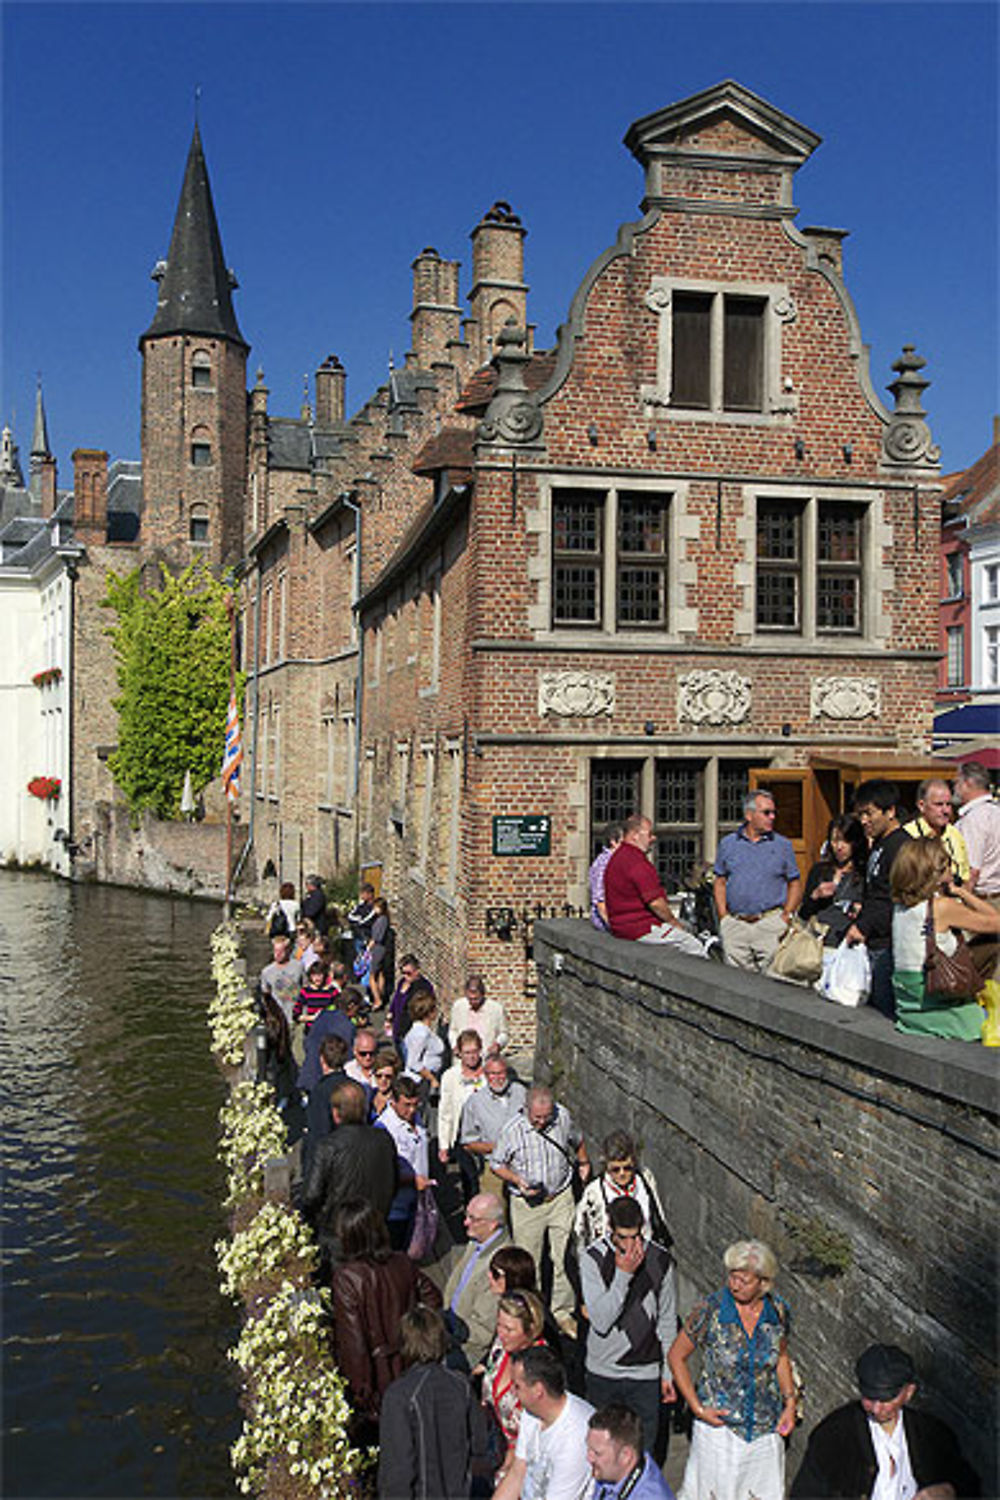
x=687 y=547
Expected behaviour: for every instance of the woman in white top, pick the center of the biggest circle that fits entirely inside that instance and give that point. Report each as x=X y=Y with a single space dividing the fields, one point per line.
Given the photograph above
x=622 y=1177
x=923 y=893
x=424 y=1048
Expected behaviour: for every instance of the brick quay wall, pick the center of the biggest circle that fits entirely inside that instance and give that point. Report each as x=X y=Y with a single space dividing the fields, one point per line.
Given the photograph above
x=866 y=1159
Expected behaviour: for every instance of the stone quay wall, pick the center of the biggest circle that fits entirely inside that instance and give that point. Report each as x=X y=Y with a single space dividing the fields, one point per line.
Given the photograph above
x=866 y=1159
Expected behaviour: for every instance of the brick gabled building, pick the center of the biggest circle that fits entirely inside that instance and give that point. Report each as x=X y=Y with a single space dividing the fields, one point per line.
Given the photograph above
x=686 y=549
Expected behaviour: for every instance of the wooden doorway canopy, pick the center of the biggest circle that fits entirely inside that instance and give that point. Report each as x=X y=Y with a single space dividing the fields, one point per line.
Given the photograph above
x=808 y=796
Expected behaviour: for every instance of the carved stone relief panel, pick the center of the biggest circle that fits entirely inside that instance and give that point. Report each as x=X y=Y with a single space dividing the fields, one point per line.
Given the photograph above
x=711 y=696
x=845 y=698
x=576 y=695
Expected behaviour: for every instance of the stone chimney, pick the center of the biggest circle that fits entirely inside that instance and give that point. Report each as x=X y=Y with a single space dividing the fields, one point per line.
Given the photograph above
x=498 y=290
x=47 y=489
x=331 y=385
x=436 y=315
x=90 y=492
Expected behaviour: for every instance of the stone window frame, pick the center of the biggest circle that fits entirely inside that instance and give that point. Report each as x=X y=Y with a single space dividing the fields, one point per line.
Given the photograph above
x=198 y=521
x=681 y=575
x=778 y=400
x=428 y=752
x=281 y=604
x=877 y=580
x=200 y=453
x=201 y=366
x=429 y=634
x=709 y=825
x=449 y=888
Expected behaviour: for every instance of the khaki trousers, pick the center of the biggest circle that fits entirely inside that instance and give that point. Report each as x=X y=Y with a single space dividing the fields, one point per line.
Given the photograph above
x=752 y=945
x=528 y=1227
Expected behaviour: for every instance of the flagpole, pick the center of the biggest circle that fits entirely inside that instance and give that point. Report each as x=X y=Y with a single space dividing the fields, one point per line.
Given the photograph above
x=227 y=901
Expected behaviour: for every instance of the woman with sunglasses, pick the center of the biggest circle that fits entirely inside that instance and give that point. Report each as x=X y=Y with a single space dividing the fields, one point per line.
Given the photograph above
x=387 y=1065
x=520 y=1324
x=622 y=1177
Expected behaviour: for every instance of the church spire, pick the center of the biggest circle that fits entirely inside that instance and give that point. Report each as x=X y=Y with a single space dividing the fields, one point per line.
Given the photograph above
x=195 y=294
x=40 y=432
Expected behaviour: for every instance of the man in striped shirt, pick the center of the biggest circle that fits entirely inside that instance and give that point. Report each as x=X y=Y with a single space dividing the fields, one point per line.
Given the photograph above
x=535 y=1154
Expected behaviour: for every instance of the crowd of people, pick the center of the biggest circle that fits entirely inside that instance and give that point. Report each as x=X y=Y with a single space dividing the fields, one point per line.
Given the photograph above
x=909 y=896
x=547 y=1357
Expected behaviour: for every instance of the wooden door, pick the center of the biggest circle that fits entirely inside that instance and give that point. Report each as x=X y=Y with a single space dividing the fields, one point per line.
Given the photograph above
x=803 y=809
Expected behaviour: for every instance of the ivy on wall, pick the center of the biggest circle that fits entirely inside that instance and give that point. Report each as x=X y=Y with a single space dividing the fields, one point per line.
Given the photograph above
x=173 y=645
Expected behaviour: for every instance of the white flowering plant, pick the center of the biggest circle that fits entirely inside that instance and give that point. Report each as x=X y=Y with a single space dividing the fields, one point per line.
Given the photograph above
x=232 y=1012
x=301 y=1415
x=252 y=1132
x=276 y=1244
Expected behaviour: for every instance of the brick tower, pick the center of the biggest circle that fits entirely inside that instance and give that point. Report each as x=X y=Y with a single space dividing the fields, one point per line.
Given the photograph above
x=194 y=402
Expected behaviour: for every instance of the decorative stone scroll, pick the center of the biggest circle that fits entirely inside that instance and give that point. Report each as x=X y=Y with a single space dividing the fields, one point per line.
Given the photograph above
x=845 y=698
x=907 y=438
x=711 y=696
x=576 y=695
x=512 y=418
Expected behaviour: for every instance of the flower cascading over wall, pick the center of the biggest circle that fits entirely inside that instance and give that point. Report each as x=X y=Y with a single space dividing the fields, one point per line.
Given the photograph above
x=296 y=1440
x=50 y=674
x=45 y=788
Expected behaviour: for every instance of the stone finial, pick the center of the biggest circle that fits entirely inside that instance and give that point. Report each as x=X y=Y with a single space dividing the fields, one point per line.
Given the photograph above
x=907 y=438
x=511 y=417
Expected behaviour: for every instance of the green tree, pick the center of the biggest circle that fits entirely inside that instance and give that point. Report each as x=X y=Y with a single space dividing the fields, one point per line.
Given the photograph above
x=172 y=646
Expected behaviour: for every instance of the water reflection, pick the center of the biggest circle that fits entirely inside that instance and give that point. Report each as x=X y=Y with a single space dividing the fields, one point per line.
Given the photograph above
x=114 y=1336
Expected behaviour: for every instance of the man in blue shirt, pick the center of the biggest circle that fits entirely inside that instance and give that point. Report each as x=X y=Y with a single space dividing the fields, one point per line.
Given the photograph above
x=757 y=885
x=621 y=1470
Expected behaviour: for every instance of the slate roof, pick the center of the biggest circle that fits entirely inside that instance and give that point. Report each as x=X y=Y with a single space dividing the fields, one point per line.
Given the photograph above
x=975 y=493
x=195 y=293
x=295 y=444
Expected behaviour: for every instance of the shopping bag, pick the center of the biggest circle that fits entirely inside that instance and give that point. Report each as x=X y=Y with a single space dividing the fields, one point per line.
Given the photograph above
x=800 y=953
x=848 y=979
x=425 y=1226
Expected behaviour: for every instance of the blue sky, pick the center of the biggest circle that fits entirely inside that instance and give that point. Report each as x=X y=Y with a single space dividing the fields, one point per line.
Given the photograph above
x=343 y=138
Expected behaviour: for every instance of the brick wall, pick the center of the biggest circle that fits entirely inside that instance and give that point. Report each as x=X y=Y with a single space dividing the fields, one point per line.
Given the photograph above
x=765 y=1112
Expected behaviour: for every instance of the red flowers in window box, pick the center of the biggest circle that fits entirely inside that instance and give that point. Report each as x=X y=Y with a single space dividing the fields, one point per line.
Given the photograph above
x=45 y=788
x=51 y=674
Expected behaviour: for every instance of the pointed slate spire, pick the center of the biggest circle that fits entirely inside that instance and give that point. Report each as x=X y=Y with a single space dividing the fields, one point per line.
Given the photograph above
x=195 y=285
x=40 y=433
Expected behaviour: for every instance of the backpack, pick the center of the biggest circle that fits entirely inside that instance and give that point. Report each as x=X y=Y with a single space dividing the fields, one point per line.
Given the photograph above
x=278 y=925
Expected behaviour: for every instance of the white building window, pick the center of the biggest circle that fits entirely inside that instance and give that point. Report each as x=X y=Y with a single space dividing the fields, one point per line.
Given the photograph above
x=991 y=656
x=955 y=637
x=991 y=583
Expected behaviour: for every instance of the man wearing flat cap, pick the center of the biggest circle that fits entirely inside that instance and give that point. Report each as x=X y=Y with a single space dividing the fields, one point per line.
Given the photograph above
x=880 y=1448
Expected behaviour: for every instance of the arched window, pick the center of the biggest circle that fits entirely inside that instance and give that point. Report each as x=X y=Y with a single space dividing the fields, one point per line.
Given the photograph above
x=201 y=447
x=201 y=369
x=198 y=524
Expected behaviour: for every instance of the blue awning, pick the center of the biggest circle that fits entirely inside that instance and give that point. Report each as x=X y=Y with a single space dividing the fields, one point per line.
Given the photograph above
x=971 y=718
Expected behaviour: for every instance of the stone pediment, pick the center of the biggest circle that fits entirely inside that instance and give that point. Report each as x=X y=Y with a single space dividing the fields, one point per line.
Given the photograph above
x=725 y=120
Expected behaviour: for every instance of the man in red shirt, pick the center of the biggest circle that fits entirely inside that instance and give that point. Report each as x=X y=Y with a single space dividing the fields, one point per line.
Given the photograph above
x=637 y=906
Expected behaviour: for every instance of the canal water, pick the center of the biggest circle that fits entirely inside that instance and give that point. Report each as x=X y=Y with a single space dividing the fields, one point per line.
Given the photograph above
x=115 y=1380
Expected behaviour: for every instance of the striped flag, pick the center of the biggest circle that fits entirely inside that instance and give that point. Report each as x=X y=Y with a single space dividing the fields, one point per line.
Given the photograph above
x=232 y=757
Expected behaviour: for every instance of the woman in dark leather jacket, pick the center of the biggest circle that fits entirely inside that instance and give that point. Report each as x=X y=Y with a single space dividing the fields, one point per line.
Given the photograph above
x=373 y=1286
